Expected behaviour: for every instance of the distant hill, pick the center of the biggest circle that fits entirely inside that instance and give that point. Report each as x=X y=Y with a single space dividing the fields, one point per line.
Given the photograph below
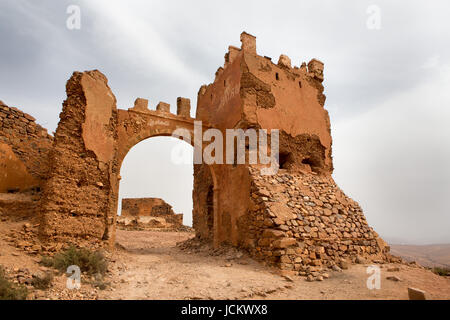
x=435 y=255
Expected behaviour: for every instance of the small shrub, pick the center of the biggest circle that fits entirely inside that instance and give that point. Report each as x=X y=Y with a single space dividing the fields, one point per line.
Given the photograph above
x=9 y=290
x=88 y=261
x=102 y=285
x=445 y=272
x=43 y=282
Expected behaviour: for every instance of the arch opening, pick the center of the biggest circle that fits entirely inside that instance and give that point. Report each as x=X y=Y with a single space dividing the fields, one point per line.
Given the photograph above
x=155 y=190
x=156 y=185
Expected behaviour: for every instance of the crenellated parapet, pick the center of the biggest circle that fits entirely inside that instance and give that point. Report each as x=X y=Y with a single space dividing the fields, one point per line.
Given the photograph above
x=250 y=90
x=183 y=107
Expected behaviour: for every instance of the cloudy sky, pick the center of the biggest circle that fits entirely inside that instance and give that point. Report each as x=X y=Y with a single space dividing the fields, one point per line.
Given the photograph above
x=388 y=88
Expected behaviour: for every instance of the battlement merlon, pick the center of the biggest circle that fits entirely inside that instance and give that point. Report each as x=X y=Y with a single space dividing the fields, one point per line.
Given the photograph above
x=232 y=53
x=252 y=90
x=313 y=69
x=184 y=107
x=248 y=43
x=284 y=61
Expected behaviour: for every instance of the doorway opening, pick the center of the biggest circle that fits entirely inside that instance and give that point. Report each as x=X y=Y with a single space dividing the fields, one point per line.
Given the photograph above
x=155 y=194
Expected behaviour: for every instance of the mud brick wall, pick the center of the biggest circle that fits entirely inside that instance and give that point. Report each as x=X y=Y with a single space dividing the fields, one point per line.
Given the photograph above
x=80 y=196
x=145 y=207
x=252 y=92
x=19 y=205
x=150 y=212
x=24 y=150
x=203 y=202
x=77 y=195
x=297 y=219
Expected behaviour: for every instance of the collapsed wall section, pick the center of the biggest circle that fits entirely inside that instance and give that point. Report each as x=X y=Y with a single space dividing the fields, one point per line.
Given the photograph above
x=77 y=196
x=24 y=149
x=297 y=219
x=252 y=92
x=303 y=220
x=145 y=213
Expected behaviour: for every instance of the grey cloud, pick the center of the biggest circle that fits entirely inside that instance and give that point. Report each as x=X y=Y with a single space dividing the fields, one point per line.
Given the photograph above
x=163 y=49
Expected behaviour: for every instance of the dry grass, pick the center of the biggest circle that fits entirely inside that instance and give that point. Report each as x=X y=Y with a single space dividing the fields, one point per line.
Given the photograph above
x=88 y=261
x=9 y=290
x=445 y=272
x=43 y=282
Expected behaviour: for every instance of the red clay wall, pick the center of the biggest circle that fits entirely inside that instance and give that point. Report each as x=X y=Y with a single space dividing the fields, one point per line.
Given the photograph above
x=24 y=149
x=78 y=195
x=294 y=219
x=252 y=92
x=297 y=218
x=149 y=213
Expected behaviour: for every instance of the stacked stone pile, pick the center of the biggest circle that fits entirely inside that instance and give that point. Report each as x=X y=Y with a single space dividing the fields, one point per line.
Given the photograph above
x=148 y=213
x=304 y=222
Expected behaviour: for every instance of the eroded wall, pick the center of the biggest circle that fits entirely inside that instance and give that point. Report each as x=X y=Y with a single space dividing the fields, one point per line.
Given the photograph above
x=298 y=218
x=24 y=149
x=148 y=213
x=250 y=91
x=299 y=221
x=80 y=197
x=77 y=196
x=294 y=219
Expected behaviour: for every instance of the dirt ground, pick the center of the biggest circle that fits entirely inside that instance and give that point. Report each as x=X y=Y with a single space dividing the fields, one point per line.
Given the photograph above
x=150 y=265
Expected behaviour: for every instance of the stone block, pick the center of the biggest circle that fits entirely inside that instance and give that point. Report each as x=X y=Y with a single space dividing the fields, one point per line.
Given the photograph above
x=416 y=294
x=184 y=107
x=284 y=243
x=140 y=104
x=163 y=107
x=248 y=43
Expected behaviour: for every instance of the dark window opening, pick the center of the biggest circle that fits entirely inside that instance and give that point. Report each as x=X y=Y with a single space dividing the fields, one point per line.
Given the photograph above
x=313 y=163
x=224 y=83
x=277 y=76
x=308 y=161
x=300 y=84
x=285 y=160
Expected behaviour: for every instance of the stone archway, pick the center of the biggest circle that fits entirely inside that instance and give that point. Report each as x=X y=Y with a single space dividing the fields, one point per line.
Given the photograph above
x=138 y=124
x=93 y=137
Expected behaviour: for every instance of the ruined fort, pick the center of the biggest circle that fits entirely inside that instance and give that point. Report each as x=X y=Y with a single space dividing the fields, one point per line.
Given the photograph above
x=293 y=219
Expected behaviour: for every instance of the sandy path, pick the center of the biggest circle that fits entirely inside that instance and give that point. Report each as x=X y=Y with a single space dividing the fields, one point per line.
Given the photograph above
x=150 y=266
